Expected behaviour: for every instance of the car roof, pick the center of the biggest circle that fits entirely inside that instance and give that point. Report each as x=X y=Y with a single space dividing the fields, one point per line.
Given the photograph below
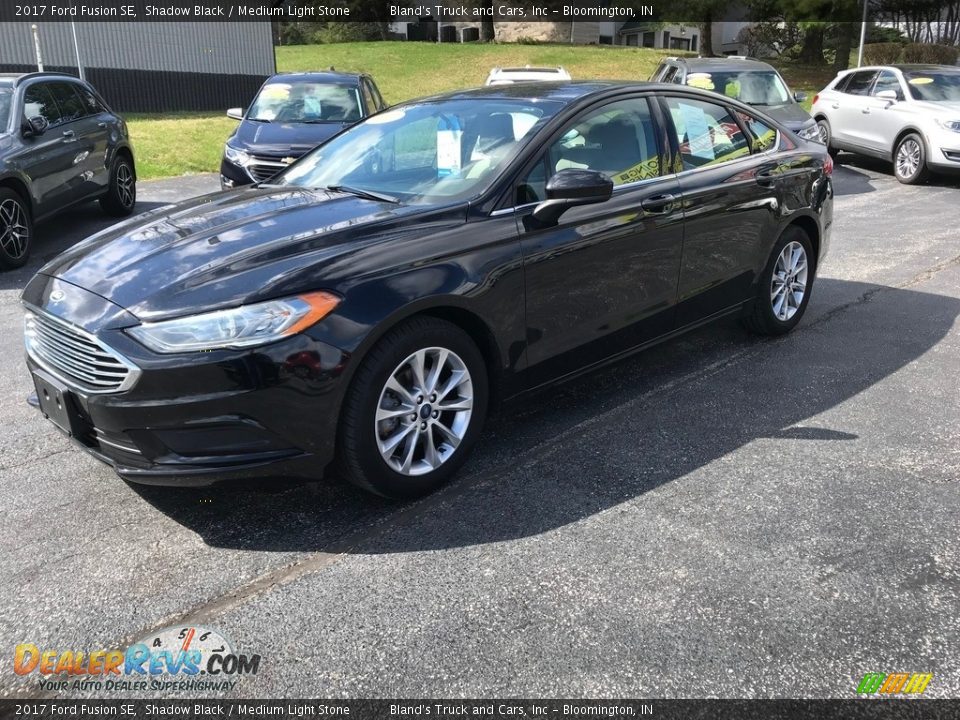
x=724 y=64
x=16 y=78
x=568 y=92
x=321 y=76
x=562 y=91
x=919 y=67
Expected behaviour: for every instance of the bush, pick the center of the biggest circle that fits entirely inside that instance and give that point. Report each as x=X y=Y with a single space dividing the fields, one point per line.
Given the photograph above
x=882 y=53
x=345 y=32
x=933 y=54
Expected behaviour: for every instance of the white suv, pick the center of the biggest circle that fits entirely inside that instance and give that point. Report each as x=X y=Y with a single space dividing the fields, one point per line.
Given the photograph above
x=907 y=114
x=510 y=75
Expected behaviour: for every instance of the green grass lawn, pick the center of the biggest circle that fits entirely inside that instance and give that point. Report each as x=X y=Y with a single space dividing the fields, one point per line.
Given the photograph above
x=168 y=145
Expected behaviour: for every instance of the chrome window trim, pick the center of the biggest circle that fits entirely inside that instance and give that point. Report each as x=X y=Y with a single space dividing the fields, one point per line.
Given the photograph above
x=133 y=374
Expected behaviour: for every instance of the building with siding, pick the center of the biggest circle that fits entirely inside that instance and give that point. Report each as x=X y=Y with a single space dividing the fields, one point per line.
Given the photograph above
x=151 y=66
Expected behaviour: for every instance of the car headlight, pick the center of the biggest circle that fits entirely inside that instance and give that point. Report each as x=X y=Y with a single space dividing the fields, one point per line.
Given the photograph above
x=235 y=155
x=240 y=327
x=953 y=125
x=809 y=132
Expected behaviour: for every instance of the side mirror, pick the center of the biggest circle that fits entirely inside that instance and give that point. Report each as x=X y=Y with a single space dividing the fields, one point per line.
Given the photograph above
x=799 y=96
x=235 y=113
x=888 y=95
x=571 y=187
x=36 y=126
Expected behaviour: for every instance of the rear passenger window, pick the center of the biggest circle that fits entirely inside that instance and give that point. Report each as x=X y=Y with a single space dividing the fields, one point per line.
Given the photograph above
x=762 y=136
x=860 y=82
x=706 y=133
x=93 y=105
x=69 y=102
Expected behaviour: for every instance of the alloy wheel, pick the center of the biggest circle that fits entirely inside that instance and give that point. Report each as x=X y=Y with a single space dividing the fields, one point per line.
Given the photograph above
x=908 y=158
x=789 y=282
x=424 y=411
x=14 y=231
x=125 y=185
x=822 y=134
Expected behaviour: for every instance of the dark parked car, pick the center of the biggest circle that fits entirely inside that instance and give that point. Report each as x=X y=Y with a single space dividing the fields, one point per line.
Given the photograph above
x=292 y=114
x=60 y=144
x=751 y=81
x=371 y=302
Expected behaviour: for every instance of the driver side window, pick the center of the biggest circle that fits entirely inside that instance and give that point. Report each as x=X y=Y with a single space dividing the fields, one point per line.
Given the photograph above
x=618 y=140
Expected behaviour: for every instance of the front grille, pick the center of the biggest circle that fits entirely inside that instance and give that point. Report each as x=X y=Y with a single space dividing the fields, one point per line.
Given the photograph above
x=262 y=169
x=76 y=356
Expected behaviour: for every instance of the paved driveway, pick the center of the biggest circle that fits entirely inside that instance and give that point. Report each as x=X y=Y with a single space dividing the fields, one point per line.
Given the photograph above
x=722 y=515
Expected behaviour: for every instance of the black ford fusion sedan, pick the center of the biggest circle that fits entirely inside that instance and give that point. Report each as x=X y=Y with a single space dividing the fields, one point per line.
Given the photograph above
x=368 y=305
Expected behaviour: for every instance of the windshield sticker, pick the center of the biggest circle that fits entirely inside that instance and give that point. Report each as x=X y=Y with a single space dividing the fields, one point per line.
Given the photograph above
x=641 y=171
x=697 y=131
x=921 y=81
x=700 y=80
x=449 y=136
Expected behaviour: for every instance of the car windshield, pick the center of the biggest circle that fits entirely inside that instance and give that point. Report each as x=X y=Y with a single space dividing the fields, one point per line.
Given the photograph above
x=754 y=87
x=934 y=86
x=424 y=153
x=306 y=102
x=6 y=94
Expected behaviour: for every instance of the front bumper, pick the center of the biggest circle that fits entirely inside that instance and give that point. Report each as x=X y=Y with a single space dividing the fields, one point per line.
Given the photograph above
x=943 y=149
x=202 y=418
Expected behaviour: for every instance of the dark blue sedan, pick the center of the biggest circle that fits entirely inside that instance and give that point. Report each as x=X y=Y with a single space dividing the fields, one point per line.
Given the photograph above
x=293 y=113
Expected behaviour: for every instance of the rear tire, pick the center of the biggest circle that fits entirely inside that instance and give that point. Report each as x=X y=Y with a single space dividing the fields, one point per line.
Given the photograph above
x=784 y=287
x=414 y=410
x=910 y=160
x=826 y=137
x=16 y=230
x=121 y=195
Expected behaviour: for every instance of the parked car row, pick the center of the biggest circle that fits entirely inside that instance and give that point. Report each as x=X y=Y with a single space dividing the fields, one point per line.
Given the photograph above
x=908 y=115
x=372 y=280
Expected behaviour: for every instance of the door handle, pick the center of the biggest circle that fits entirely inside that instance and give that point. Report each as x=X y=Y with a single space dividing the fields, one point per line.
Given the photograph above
x=835 y=106
x=101 y=124
x=658 y=204
x=69 y=136
x=767 y=175
x=866 y=111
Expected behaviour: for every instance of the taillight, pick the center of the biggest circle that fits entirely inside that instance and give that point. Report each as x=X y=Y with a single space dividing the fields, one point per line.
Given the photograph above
x=815 y=98
x=828 y=165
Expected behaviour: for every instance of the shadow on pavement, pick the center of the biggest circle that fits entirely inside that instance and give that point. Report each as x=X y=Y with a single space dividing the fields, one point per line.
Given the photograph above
x=604 y=439
x=847 y=181
x=849 y=161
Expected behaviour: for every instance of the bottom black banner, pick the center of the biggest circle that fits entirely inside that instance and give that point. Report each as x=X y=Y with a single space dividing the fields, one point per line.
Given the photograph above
x=461 y=709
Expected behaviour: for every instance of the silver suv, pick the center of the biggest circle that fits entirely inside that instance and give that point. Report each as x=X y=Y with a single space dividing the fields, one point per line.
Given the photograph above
x=906 y=114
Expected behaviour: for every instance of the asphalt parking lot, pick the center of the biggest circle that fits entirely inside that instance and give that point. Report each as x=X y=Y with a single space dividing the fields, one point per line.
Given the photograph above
x=720 y=516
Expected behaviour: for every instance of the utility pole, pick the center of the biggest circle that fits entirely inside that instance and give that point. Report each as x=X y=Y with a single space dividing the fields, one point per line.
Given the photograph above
x=863 y=34
x=36 y=47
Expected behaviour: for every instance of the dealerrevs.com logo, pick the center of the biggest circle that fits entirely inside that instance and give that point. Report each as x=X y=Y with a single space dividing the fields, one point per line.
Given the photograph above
x=894 y=683
x=175 y=658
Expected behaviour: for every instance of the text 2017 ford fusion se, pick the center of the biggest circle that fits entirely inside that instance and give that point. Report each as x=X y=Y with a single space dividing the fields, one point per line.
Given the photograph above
x=369 y=304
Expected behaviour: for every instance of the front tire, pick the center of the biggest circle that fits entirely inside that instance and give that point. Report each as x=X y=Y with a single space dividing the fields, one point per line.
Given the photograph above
x=823 y=129
x=16 y=230
x=121 y=194
x=414 y=410
x=910 y=160
x=784 y=288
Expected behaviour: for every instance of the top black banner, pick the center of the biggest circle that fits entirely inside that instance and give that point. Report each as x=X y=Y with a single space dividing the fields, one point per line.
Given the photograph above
x=380 y=11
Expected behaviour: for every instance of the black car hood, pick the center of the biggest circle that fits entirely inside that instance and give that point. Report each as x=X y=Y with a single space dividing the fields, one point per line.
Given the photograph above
x=790 y=114
x=236 y=247
x=279 y=139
